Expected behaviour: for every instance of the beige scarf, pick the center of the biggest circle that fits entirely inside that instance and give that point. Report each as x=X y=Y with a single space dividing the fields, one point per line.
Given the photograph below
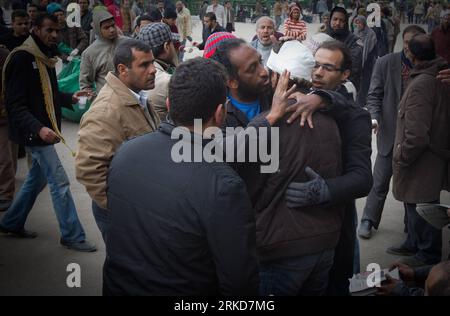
x=42 y=61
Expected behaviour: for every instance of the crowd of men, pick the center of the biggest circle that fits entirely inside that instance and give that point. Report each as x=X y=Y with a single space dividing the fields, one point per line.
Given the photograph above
x=226 y=228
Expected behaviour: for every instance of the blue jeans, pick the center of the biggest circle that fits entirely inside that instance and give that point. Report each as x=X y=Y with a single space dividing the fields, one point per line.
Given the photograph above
x=305 y=275
x=46 y=167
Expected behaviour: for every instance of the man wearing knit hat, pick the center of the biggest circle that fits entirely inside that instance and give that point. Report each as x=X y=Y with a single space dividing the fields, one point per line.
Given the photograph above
x=159 y=37
x=213 y=41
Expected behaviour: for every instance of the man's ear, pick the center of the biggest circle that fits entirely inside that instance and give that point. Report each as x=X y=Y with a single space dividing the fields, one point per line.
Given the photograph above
x=167 y=47
x=167 y=104
x=122 y=69
x=345 y=74
x=232 y=84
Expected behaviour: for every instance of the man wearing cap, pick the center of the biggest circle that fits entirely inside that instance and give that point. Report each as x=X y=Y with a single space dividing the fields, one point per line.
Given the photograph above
x=96 y=60
x=72 y=40
x=441 y=36
x=159 y=37
x=121 y=111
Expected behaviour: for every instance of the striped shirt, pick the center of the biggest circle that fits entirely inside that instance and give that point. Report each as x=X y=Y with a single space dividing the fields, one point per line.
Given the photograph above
x=296 y=29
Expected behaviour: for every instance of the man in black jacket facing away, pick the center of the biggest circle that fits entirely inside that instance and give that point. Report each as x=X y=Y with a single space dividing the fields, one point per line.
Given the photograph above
x=33 y=105
x=181 y=228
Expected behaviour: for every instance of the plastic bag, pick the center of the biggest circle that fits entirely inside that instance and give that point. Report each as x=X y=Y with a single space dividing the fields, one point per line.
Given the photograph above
x=68 y=82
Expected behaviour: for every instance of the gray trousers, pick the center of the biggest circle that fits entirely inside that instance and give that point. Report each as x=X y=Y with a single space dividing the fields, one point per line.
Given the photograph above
x=423 y=237
x=382 y=174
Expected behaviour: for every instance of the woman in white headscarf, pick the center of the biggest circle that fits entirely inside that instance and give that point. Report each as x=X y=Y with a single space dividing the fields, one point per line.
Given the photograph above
x=369 y=41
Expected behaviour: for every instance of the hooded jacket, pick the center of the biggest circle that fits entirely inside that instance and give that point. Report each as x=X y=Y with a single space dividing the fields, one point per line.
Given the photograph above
x=292 y=28
x=353 y=43
x=97 y=59
x=421 y=155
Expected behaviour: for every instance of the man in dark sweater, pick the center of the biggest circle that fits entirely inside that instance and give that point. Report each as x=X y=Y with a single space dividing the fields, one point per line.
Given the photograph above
x=210 y=26
x=20 y=30
x=34 y=115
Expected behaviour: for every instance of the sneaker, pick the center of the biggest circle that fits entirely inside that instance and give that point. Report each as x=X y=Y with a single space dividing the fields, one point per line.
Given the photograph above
x=401 y=251
x=365 y=229
x=82 y=246
x=25 y=234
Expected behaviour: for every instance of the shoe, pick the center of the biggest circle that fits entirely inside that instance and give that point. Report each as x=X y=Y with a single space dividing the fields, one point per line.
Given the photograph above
x=25 y=234
x=4 y=205
x=365 y=229
x=413 y=262
x=82 y=246
x=401 y=251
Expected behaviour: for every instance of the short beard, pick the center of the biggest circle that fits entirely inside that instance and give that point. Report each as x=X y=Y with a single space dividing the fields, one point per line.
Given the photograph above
x=339 y=32
x=249 y=93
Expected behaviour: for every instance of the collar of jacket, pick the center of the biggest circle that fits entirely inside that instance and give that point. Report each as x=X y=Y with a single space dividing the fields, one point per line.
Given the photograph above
x=234 y=111
x=121 y=90
x=170 y=69
x=431 y=67
x=166 y=127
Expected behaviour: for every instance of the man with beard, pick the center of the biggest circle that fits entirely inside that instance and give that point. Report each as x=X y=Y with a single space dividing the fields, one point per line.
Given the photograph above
x=120 y=112
x=265 y=28
x=339 y=30
x=210 y=26
x=20 y=30
x=34 y=114
x=250 y=93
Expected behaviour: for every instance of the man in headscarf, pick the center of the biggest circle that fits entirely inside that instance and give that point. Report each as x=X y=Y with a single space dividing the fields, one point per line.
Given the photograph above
x=339 y=30
x=369 y=40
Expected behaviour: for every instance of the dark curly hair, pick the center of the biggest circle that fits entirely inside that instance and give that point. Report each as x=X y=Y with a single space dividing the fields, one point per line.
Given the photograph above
x=196 y=88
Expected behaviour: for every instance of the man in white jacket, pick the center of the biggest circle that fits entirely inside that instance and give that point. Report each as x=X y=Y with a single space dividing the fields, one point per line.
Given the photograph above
x=218 y=10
